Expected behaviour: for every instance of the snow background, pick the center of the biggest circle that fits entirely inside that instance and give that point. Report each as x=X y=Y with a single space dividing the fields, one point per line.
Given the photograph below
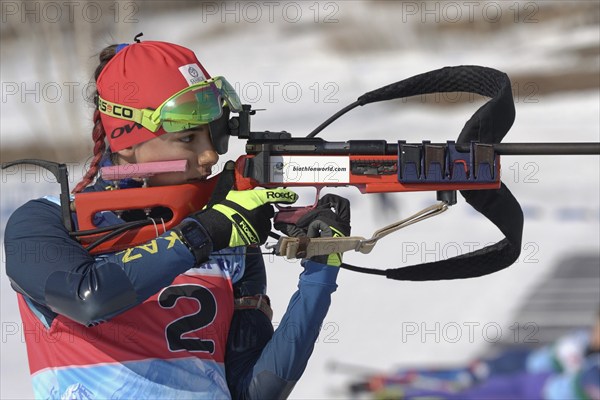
x=363 y=46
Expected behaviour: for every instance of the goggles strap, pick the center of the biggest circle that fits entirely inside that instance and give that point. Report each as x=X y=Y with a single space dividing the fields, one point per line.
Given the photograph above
x=120 y=111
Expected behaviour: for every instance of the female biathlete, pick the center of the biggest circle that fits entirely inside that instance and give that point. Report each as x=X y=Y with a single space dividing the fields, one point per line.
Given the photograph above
x=185 y=316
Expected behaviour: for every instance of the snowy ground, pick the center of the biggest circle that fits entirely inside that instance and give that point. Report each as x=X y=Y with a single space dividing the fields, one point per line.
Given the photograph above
x=373 y=322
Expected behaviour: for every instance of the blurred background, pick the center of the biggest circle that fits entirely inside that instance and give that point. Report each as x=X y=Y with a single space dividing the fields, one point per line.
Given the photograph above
x=303 y=61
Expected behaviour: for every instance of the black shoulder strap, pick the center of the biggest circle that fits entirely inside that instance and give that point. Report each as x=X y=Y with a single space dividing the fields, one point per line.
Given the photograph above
x=489 y=124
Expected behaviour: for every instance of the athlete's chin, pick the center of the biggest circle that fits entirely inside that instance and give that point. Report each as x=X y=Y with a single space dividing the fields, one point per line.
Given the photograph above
x=180 y=182
x=166 y=181
x=176 y=179
x=199 y=179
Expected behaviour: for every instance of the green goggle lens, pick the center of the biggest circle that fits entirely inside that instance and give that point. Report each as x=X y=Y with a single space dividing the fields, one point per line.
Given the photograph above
x=230 y=95
x=198 y=105
x=190 y=109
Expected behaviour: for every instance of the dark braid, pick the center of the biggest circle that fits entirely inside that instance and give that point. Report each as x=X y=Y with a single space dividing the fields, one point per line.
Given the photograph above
x=98 y=134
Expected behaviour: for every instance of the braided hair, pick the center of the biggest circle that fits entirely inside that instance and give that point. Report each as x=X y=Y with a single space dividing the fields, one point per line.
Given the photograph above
x=98 y=133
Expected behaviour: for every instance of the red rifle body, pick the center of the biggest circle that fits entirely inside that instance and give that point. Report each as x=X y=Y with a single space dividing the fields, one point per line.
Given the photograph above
x=185 y=199
x=182 y=200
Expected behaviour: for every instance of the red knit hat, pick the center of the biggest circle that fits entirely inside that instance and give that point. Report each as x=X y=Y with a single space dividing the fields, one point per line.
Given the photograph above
x=143 y=75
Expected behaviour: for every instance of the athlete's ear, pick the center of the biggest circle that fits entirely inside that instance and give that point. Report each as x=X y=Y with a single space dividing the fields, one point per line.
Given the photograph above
x=127 y=155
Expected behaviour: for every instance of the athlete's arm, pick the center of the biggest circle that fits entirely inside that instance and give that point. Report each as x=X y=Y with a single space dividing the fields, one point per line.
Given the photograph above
x=250 y=329
x=56 y=273
x=269 y=367
x=285 y=356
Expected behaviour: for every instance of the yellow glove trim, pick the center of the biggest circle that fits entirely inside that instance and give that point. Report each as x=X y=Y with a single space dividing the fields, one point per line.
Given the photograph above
x=251 y=199
x=243 y=233
x=335 y=259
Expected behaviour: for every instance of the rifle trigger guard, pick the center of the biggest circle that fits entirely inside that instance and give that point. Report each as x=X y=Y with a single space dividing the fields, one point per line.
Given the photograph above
x=291 y=214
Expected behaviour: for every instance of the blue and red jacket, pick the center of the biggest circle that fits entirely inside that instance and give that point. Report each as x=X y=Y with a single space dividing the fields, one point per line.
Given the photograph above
x=147 y=322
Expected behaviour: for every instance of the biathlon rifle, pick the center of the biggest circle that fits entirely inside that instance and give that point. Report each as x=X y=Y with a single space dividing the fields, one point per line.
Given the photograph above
x=471 y=165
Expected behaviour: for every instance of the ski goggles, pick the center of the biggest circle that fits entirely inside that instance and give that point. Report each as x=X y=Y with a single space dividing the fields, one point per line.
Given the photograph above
x=195 y=105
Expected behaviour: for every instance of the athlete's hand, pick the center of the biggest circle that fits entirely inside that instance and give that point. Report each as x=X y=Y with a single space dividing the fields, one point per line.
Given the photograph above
x=331 y=218
x=243 y=217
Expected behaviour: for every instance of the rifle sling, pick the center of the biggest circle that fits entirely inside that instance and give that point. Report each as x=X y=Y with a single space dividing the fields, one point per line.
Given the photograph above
x=489 y=124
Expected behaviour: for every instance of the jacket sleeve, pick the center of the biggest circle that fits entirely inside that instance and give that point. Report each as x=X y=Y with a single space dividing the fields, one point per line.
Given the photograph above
x=56 y=273
x=269 y=366
x=250 y=330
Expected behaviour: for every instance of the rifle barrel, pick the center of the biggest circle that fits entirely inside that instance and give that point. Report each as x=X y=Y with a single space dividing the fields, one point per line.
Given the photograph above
x=381 y=147
x=525 y=149
x=518 y=149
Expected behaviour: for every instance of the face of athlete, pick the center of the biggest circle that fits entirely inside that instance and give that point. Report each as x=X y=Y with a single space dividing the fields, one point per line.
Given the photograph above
x=193 y=145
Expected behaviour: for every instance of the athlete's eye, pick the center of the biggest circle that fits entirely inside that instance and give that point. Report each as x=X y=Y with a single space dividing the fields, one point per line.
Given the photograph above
x=187 y=138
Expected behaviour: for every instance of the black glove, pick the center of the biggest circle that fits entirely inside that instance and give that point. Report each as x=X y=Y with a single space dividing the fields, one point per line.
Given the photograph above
x=242 y=218
x=330 y=218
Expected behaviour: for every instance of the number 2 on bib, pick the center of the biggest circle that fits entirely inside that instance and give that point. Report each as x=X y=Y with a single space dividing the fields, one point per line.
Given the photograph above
x=191 y=322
